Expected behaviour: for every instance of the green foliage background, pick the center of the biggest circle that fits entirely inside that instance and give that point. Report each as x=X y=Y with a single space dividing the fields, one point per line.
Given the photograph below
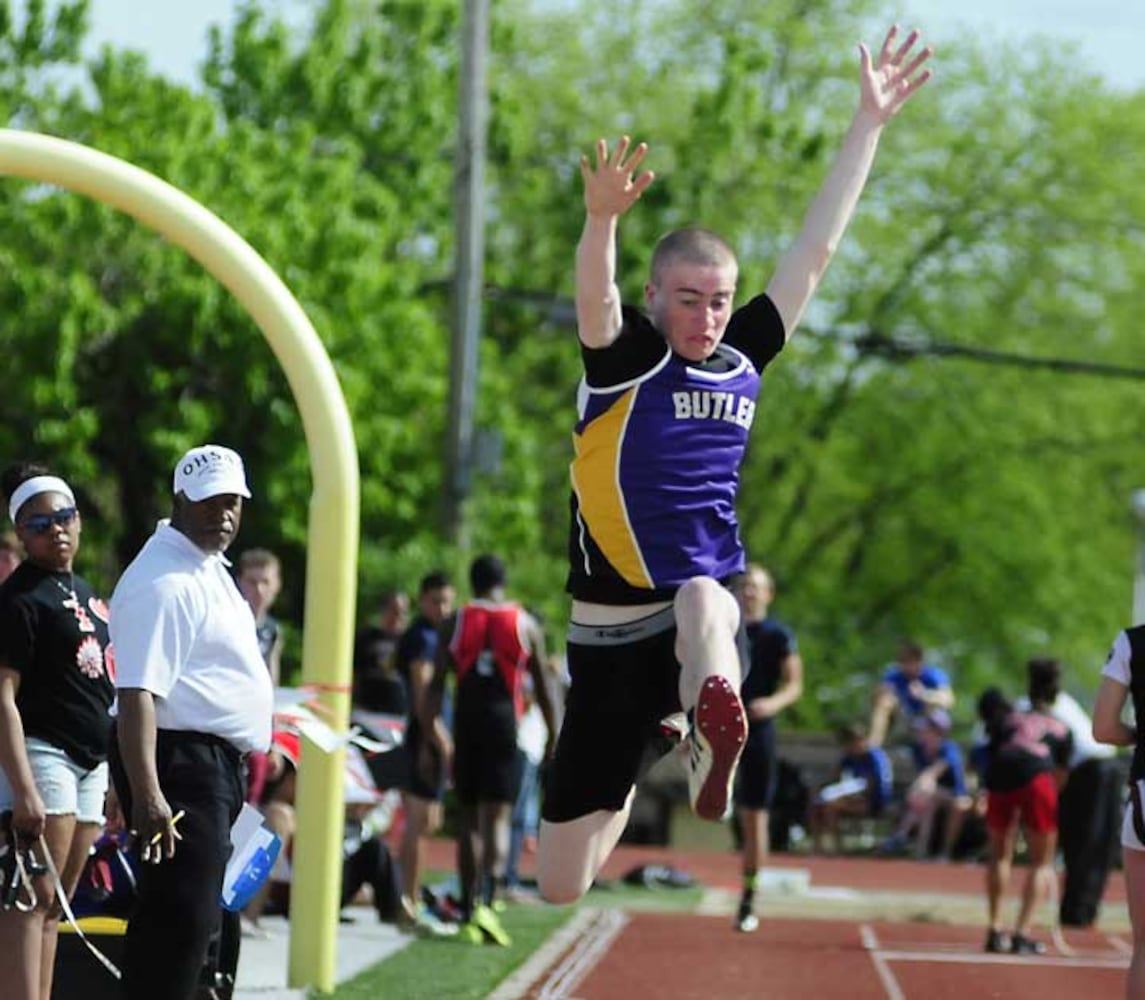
x=981 y=508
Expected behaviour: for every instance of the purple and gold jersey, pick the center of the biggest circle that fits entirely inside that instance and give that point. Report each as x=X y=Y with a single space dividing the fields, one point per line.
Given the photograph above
x=658 y=448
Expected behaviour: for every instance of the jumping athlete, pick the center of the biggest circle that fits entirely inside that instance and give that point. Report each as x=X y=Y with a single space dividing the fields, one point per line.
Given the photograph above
x=664 y=412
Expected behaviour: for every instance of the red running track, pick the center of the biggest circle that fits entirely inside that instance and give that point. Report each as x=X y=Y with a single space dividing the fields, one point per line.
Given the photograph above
x=682 y=957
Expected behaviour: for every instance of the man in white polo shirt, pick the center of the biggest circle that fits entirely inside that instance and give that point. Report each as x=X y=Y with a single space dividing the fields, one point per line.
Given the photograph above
x=194 y=697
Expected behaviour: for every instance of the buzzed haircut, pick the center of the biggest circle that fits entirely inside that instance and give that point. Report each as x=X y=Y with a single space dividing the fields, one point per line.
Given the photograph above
x=700 y=247
x=258 y=559
x=437 y=580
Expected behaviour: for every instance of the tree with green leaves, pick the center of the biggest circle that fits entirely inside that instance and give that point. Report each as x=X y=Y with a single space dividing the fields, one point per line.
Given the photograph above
x=894 y=487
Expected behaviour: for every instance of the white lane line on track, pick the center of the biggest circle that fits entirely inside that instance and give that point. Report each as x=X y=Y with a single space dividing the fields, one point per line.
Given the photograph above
x=871 y=942
x=985 y=958
x=517 y=985
x=592 y=944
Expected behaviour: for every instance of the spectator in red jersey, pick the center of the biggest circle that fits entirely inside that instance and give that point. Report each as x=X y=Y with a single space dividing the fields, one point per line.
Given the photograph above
x=492 y=643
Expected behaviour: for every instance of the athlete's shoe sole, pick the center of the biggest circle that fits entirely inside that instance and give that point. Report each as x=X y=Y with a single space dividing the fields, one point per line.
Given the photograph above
x=718 y=731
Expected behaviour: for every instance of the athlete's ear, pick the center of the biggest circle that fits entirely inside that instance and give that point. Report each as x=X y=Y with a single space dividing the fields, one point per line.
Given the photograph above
x=649 y=294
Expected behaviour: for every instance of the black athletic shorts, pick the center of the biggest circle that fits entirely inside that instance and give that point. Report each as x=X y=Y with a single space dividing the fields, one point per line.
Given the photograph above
x=758 y=768
x=485 y=754
x=417 y=782
x=624 y=681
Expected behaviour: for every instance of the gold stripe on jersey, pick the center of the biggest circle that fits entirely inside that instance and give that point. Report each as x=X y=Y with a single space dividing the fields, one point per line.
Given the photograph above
x=596 y=479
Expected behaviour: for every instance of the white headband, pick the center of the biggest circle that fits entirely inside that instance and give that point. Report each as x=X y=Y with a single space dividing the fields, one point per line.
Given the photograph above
x=33 y=488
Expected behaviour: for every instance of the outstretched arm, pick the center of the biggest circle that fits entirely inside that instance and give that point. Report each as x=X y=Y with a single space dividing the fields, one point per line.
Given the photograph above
x=611 y=187
x=884 y=89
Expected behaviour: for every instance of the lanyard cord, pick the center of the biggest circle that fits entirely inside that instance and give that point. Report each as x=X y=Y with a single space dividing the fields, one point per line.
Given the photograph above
x=62 y=897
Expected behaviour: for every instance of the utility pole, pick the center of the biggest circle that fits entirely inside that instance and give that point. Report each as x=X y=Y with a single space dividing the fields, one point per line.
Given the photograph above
x=469 y=261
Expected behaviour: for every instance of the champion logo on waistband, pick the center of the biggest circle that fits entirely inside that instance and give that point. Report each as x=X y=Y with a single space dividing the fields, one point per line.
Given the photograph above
x=617 y=633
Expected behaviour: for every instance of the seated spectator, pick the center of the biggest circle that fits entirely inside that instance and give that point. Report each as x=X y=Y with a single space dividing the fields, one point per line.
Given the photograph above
x=1022 y=752
x=861 y=790
x=366 y=857
x=910 y=687
x=939 y=786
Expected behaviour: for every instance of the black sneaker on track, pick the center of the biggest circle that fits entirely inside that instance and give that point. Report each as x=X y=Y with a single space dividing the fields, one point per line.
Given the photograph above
x=746 y=921
x=997 y=943
x=1022 y=945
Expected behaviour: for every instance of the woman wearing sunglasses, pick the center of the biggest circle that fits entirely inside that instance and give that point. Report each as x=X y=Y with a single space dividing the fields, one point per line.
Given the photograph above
x=56 y=685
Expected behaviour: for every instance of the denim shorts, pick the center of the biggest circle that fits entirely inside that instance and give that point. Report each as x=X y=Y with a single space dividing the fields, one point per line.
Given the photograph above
x=66 y=788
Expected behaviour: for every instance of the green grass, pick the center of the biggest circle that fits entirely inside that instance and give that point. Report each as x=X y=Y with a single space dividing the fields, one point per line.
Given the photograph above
x=445 y=969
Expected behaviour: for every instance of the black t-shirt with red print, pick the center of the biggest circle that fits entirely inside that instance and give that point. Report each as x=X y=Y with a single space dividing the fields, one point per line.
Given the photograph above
x=61 y=650
x=1025 y=745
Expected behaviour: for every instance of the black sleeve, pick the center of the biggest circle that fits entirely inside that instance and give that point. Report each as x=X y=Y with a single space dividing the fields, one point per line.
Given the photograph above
x=756 y=329
x=17 y=635
x=638 y=348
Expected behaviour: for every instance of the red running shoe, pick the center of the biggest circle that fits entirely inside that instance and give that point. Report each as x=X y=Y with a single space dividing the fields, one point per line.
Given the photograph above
x=717 y=732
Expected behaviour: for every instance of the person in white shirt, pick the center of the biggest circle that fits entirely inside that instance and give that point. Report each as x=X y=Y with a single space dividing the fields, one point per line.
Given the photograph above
x=1090 y=805
x=194 y=696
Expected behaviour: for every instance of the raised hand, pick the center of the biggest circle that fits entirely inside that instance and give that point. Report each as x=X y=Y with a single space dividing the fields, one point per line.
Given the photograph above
x=887 y=86
x=611 y=187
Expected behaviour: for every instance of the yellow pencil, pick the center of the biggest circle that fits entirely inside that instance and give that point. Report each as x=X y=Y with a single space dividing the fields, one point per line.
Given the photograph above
x=174 y=819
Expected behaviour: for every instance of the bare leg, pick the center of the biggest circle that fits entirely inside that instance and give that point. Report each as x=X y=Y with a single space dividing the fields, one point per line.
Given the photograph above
x=279 y=817
x=755 y=838
x=468 y=851
x=1134 y=862
x=818 y=821
x=1036 y=889
x=707 y=618
x=493 y=818
x=924 y=808
x=753 y=822
x=418 y=820
x=570 y=854
x=998 y=873
x=21 y=941
x=956 y=809
x=70 y=843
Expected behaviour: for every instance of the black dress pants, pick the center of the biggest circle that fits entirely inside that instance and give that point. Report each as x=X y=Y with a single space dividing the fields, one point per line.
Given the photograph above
x=178 y=906
x=1090 y=814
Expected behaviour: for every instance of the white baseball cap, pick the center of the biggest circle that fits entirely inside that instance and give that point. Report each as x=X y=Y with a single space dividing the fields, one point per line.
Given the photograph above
x=210 y=470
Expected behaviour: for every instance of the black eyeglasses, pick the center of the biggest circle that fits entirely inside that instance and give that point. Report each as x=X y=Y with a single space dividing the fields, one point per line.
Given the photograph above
x=41 y=524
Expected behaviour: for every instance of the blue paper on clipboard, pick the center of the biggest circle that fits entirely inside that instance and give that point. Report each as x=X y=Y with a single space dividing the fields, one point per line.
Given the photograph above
x=254 y=848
